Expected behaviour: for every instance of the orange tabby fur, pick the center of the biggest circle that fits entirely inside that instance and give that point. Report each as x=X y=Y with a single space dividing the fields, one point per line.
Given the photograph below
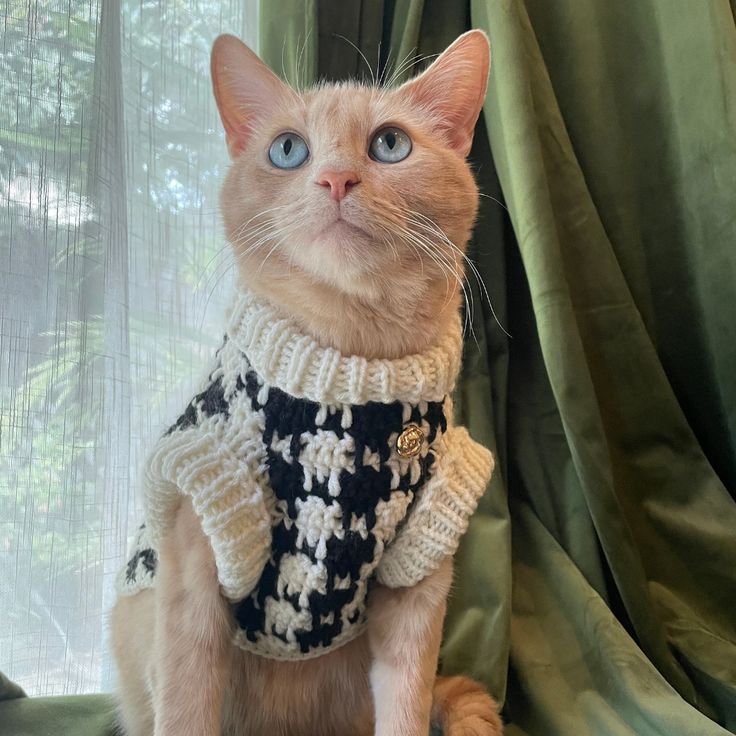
x=356 y=276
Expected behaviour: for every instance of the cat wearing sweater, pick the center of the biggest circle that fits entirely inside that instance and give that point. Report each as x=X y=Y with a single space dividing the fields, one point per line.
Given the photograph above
x=301 y=515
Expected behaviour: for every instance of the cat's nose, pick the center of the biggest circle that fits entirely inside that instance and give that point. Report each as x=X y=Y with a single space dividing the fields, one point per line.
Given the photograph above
x=339 y=182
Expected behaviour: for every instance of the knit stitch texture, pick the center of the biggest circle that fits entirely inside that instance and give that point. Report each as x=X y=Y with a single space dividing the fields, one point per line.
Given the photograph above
x=289 y=455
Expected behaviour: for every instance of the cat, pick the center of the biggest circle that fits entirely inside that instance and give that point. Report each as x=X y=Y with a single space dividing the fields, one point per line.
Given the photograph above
x=349 y=208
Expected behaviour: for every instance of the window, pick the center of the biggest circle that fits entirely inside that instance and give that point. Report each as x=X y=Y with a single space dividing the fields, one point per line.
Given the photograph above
x=113 y=280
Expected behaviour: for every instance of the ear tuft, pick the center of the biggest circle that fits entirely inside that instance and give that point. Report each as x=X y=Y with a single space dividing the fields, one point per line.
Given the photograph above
x=454 y=88
x=246 y=90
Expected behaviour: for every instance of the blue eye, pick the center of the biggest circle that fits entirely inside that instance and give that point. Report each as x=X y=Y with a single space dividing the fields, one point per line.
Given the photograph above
x=288 y=151
x=390 y=145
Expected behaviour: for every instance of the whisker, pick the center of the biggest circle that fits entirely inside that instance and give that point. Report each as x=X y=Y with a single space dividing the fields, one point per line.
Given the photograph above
x=493 y=199
x=362 y=56
x=262 y=234
x=407 y=64
x=467 y=295
x=433 y=227
x=419 y=244
x=232 y=242
x=301 y=57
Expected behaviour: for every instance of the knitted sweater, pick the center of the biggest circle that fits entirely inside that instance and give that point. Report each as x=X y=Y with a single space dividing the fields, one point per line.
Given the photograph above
x=314 y=475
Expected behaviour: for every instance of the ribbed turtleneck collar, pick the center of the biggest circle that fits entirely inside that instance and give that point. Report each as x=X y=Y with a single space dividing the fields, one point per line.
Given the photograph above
x=289 y=359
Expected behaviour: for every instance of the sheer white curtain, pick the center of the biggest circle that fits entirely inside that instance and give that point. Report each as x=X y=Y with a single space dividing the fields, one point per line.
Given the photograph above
x=113 y=280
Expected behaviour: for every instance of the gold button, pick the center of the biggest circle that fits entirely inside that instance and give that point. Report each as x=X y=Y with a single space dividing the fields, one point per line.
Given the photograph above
x=409 y=443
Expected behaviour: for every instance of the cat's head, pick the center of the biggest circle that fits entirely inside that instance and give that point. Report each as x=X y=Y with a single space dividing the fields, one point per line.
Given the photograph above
x=347 y=190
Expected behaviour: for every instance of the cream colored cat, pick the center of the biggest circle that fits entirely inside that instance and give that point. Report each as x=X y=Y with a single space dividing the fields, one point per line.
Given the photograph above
x=349 y=208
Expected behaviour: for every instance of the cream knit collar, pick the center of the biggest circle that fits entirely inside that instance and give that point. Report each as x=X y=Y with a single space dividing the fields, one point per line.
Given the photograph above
x=288 y=359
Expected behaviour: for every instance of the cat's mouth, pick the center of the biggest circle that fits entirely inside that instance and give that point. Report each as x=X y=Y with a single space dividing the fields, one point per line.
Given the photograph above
x=341 y=226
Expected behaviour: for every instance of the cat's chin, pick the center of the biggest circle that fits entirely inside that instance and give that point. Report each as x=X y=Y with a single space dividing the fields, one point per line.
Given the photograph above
x=340 y=251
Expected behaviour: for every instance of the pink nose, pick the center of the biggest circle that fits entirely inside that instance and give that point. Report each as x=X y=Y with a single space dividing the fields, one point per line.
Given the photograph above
x=339 y=182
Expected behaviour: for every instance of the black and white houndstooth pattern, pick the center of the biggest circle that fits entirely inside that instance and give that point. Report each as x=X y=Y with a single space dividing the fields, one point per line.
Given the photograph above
x=340 y=491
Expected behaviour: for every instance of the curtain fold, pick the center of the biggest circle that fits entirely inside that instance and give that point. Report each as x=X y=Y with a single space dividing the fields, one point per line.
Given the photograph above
x=660 y=510
x=611 y=407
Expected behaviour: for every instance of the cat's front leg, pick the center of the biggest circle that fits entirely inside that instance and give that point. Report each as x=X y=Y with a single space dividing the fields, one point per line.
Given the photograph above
x=405 y=631
x=193 y=633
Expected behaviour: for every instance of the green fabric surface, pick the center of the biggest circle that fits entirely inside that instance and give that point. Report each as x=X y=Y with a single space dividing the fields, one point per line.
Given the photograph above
x=73 y=715
x=617 y=158
x=611 y=128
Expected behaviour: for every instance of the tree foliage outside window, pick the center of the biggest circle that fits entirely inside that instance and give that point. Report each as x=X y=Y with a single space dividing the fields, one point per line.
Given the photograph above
x=113 y=278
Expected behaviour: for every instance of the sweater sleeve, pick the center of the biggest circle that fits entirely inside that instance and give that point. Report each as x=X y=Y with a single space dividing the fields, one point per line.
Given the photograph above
x=441 y=511
x=228 y=496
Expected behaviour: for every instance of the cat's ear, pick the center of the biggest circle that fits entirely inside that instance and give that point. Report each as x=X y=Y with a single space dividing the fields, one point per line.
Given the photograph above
x=246 y=90
x=453 y=88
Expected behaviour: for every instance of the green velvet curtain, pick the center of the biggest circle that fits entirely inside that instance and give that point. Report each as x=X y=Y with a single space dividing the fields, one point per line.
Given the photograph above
x=596 y=588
